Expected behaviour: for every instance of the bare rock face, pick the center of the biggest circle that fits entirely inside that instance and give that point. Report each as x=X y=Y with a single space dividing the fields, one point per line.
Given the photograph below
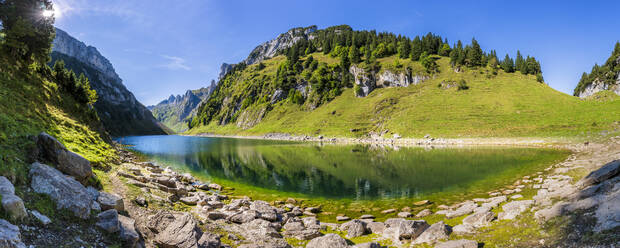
x=65 y=191
x=119 y=110
x=365 y=81
x=66 y=161
x=328 y=241
x=283 y=41
x=10 y=237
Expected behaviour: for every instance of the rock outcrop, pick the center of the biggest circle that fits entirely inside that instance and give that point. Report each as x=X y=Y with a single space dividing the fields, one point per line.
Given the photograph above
x=367 y=81
x=271 y=48
x=118 y=109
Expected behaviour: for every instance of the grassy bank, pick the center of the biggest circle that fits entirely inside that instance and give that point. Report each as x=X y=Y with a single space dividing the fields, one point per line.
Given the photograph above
x=502 y=105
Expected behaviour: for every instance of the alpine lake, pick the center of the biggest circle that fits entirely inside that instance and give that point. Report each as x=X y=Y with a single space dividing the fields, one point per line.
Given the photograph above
x=346 y=179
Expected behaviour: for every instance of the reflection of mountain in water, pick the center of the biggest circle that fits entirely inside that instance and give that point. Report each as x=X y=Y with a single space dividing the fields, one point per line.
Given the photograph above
x=357 y=171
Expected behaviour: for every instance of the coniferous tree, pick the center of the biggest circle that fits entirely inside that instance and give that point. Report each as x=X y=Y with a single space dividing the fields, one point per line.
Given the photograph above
x=445 y=50
x=404 y=49
x=508 y=64
x=416 y=49
x=520 y=64
x=474 y=54
x=354 y=55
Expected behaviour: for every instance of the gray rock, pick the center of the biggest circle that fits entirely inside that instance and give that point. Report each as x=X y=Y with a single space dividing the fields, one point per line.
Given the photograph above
x=243 y=217
x=410 y=229
x=367 y=217
x=368 y=245
x=375 y=227
x=182 y=232
x=479 y=219
x=342 y=218
x=40 y=217
x=190 y=200
x=14 y=207
x=608 y=212
x=141 y=201
x=607 y=171
x=10 y=237
x=328 y=241
x=68 y=162
x=461 y=243
x=466 y=208
x=209 y=240
x=404 y=214
x=514 y=208
x=311 y=222
x=354 y=228
x=159 y=221
x=463 y=229
x=6 y=187
x=546 y=214
x=260 y=229
x=423 y=213
x=108 y=221
x=110 y=201
x=297 y=230
x=65 y=191
x=216 y=215
x=128 y=233
x=434 y=233
x=265 y=211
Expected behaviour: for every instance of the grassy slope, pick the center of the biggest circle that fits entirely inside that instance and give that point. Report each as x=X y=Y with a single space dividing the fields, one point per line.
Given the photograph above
x=506 y=105
x=30 y=104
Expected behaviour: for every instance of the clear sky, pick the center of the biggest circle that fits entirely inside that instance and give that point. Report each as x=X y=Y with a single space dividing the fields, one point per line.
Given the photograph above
x=164 y=47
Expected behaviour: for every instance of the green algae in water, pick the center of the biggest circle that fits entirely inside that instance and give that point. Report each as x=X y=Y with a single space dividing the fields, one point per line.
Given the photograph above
x=356 y=178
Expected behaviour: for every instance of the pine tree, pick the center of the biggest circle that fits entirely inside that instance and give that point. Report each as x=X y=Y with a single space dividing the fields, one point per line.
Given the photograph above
x=404 y=49
x=416 y=50
x=520 y=64
x=508 y=64
x=445 y=50
x=475 y=53
x=354 y=55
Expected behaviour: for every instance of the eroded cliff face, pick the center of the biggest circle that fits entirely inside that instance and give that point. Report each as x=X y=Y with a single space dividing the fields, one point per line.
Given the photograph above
x=367 y=81
x=118 y=109
x=598 y=86
x=271 y=48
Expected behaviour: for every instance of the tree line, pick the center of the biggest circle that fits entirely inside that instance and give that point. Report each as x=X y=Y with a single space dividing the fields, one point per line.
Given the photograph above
x=607 y=73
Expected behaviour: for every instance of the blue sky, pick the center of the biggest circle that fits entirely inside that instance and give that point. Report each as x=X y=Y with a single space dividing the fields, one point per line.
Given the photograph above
x=163 y=47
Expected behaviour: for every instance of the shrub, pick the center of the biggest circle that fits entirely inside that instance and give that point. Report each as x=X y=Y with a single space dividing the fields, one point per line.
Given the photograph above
x=463 y=85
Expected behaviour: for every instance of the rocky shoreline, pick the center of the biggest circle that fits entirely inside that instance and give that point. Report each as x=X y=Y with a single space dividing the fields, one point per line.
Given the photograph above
x=397 y=140
x=152 y=206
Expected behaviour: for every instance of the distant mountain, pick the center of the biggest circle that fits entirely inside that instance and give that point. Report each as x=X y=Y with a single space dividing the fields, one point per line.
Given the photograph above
x=176 y=111
x=116 y=106
x=601 y=78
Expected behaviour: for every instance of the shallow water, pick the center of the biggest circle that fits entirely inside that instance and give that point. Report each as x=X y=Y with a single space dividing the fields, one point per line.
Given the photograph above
x=353 y=172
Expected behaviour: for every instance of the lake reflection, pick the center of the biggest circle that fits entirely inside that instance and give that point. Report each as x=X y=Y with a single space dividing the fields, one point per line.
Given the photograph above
x=338 y=171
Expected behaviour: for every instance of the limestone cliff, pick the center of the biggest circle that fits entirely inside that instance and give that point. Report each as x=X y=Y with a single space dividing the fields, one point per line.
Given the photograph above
x=271 y=48
x=367 y=81
x=118 y=109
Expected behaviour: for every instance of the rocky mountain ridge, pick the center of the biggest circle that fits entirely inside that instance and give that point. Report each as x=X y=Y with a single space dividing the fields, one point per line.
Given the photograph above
x=601 y=78
x=120 y=112
x=270 y=48
x=176 y=110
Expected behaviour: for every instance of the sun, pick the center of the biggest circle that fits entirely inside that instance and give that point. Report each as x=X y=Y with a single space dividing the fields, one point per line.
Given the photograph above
x=51 y=13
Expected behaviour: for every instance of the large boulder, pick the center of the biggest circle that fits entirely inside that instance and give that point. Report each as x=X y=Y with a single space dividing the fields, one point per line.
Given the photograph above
x=66 y=161
x=10 y=236
x=434 y=233
x=607 y=171
x=328 y=241
x=129 y=236
x=608 y=212
x=180 y=233
x=354 y=228
x=265 y=211
x=479 y=219
x=108 y=221
x=399 y=229
x=110 y=201
x=65 y=191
